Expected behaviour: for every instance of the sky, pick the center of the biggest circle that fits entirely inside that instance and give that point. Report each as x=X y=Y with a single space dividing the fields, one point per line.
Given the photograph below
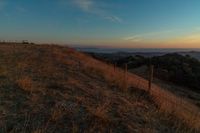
x=103 y=23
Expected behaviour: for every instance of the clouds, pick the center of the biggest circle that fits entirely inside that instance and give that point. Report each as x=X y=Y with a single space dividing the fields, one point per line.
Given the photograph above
x=92 y=7
x=178 y=37
x=149 y=36
x=135 y=38
x=192 y=38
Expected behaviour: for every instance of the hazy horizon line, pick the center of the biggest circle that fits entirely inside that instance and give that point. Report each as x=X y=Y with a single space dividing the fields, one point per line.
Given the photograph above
x=94 y=46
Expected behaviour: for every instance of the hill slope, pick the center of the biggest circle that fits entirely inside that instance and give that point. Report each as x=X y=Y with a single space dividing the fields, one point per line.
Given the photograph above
x=47 y=88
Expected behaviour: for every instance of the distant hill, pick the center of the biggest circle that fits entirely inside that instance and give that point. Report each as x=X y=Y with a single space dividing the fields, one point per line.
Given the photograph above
x=193 y=54
x=182 y=68
x=49 y=88
x=178 y=72
x=117 y=55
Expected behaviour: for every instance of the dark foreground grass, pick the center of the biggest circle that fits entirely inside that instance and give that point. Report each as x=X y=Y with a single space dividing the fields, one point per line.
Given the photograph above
x=47 y=88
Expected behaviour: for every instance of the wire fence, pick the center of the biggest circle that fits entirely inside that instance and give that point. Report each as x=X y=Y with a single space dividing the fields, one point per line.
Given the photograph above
x=167 y=101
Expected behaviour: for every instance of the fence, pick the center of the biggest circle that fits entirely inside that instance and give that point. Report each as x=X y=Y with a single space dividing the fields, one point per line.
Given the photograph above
x=167 y=101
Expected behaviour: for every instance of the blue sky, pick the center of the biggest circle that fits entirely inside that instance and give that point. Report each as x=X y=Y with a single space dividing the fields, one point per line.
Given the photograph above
x=110 y=23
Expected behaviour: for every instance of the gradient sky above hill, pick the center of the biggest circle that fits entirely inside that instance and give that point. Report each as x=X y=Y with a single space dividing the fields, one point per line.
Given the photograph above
x=111 y=23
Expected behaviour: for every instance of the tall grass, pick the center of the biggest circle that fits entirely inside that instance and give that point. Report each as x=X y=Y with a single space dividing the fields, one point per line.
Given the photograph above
x=89 y=91
x=167 y=101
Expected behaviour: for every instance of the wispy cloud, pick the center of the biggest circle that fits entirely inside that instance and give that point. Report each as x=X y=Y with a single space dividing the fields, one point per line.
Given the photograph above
x=193 y=38
x=91 y=6
x=147 y=36
x=175 y=36
x=135 y=38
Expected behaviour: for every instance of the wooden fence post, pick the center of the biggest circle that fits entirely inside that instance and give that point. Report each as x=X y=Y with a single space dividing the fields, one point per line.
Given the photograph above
x=151 y=68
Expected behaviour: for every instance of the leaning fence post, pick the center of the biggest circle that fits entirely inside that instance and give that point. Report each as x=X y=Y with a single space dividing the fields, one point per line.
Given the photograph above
x=151 y=67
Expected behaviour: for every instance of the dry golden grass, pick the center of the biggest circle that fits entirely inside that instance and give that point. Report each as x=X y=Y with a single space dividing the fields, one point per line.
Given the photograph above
x=26 y=84
x=167 y=101
x=101 y=112
x=56 y=114
x=72 y=92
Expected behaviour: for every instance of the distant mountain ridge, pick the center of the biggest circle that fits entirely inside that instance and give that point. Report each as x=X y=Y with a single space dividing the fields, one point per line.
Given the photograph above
x=136 y=50
x=193 y=54
x=142 y=52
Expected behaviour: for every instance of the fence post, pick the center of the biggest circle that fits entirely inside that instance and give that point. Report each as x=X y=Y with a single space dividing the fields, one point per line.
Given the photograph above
x=151 y=68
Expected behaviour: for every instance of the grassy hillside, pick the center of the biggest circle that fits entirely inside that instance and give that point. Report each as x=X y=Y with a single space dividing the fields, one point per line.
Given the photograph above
x=173 y=67
x=47 y=88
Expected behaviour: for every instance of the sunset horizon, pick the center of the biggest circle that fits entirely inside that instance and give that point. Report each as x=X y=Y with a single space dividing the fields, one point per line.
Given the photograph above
x=124 y=24
x=99 y=66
